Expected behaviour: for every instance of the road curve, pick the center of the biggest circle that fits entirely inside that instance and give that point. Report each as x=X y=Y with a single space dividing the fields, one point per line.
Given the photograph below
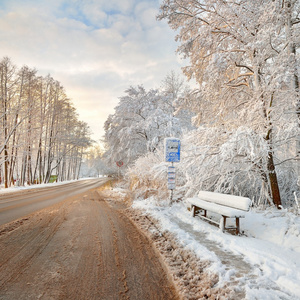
x=18 y=204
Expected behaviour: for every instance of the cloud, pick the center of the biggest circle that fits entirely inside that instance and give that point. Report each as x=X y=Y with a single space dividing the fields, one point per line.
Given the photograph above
x=95 y=48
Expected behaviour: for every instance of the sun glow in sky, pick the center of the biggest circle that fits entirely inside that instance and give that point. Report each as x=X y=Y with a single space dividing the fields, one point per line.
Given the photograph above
x=95 y=48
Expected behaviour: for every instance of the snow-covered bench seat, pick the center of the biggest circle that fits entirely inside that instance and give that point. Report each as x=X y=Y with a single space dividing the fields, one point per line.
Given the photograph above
x=228 y=206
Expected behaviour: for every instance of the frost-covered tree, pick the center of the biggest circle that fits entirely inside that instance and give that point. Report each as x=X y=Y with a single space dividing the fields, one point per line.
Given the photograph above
x=7 y=91
x=243 y=55
x=175 y=90
x=141 y=121
x=40 y=133
x=94 y=162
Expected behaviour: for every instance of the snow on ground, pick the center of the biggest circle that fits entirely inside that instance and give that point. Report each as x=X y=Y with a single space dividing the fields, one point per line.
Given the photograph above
x=264 y=261
x=16 y=188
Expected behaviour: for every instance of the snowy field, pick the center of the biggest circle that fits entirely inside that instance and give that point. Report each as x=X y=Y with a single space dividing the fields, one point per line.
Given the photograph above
x=264 y=261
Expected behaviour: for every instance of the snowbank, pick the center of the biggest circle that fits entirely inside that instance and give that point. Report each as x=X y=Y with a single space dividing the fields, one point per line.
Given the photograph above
x=264 y=262
x=16 y=188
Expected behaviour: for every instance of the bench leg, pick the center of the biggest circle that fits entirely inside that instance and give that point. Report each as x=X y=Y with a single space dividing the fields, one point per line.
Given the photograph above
x=237 y=222
x=224 y=223
x=193 y=211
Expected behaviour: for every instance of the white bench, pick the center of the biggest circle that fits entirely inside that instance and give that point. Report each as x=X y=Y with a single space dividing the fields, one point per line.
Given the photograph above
x=228 y=206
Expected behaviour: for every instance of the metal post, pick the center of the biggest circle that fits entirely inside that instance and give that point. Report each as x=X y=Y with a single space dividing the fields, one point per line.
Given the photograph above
x=171 y=196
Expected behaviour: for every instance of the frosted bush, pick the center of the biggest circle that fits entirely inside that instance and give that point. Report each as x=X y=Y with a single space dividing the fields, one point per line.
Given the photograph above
x=214 y=159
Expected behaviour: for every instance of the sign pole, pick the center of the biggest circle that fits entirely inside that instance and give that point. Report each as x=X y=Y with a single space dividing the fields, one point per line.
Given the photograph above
x=172 y=154
x=172 y=190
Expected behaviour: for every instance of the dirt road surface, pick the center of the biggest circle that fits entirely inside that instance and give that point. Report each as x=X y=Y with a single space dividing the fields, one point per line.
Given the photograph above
x=82 y=248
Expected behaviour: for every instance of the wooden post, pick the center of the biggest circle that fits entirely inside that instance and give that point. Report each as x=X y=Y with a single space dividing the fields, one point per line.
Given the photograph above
x=193 y=211
x=224 y=223
x=237 y=222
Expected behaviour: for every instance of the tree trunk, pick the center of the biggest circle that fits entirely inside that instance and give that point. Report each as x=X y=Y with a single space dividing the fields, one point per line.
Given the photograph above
x=5 y=167
x=271 y=172
x=29 y=169
x=23 y=170
x=272 y=176
x=273 y=181
x=79 y=166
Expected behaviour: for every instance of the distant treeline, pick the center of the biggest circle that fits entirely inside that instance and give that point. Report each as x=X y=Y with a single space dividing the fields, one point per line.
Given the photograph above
x=40 y=133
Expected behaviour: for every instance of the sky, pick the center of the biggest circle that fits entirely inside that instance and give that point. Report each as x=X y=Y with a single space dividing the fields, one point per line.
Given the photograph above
x=96 y=49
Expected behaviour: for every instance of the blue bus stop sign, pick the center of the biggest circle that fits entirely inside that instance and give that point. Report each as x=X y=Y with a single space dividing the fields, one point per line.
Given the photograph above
x=172 y=149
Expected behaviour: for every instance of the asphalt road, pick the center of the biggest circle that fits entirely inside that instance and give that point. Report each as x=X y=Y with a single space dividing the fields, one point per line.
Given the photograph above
x=18 y=204
x=84 y=247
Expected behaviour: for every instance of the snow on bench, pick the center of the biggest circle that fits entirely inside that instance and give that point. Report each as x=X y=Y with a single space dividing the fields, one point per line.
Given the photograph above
x=228 y=206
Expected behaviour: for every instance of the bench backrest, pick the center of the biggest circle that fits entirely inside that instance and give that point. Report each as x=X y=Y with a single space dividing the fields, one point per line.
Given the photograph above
x=238 y=202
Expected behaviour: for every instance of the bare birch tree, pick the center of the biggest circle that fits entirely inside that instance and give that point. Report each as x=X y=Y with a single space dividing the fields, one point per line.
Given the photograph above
x=39 y=128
